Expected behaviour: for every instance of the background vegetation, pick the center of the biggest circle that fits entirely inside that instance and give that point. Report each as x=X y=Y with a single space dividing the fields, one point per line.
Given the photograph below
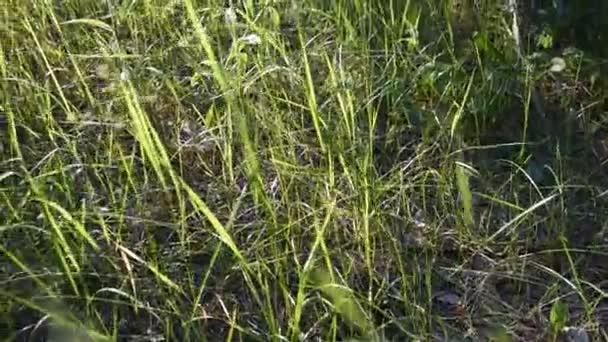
x=308 y=170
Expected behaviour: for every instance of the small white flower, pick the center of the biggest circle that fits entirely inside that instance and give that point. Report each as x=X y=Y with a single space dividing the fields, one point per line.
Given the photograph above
x=274 y=186
x=252 y=39
x=154 y=70
x=230 y=16
x=183 y=41
x=124 y=75
x=419 y=220
x=114 y=46
x=557 y=64
x=103 y=71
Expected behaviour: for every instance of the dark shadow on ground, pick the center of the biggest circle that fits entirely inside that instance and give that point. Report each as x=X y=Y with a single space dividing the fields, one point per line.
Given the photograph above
x=573 y=23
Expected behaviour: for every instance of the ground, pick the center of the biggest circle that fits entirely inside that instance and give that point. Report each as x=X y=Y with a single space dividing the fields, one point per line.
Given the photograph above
x=302 y=170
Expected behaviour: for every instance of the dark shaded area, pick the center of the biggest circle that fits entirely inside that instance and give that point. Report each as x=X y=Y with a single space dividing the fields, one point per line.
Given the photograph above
x=576 y=23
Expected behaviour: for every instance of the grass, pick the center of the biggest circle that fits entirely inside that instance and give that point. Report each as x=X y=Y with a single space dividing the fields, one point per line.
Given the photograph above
x=299 y=170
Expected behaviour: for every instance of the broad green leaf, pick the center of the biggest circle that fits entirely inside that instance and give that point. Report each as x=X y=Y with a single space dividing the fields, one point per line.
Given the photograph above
x=559 y=315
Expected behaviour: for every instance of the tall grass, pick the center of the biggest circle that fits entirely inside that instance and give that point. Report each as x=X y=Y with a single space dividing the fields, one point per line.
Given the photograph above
x=297 y=170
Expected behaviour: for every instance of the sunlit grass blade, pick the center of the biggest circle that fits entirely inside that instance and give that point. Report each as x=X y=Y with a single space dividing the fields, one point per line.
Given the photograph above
x=143 y=132
x=162 y=277
x=344 y=302
x=512 y=224
x=311 y=96
x=62 y=319
x=298 y=171
x=90 y=22
x=466 y=196
x=461 y=107
x=80 y=229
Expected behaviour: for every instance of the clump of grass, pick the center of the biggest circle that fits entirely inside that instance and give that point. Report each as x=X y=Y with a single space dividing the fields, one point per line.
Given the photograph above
x=298 y=170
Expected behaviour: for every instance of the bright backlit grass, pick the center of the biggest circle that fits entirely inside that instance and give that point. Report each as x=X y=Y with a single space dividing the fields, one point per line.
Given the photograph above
x=297 y=171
